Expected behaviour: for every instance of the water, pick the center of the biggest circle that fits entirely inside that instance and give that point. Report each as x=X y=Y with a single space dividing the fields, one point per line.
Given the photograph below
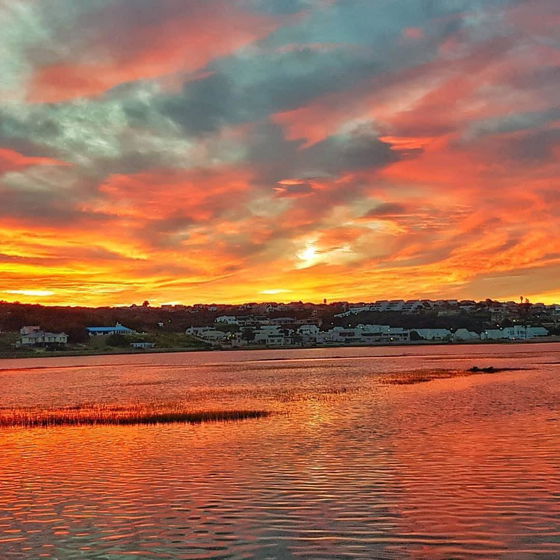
x=349 y=466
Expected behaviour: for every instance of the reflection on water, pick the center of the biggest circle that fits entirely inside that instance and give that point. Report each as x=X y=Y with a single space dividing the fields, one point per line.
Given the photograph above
x=349 y=467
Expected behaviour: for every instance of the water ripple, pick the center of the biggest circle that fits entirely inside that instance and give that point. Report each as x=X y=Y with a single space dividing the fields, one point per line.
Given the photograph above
x=458 y=468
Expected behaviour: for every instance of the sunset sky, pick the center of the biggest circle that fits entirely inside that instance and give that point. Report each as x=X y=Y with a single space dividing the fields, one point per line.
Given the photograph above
x=245 y=150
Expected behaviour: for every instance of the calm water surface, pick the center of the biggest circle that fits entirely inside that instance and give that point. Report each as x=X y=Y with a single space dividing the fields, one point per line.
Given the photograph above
x=347 y=467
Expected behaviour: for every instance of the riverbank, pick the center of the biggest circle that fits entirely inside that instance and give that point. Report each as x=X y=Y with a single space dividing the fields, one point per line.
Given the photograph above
x=120 y=351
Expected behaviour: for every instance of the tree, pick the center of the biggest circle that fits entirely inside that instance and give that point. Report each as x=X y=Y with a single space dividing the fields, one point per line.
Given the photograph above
x=118 y=340
x=248 y=334
x=415 y=337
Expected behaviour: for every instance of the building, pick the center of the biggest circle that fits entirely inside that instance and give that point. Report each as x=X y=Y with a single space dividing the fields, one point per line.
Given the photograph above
x=464 y=335
x=494 y=334
x=207 y=334
x=227 y=320
x=434 y=334
x=517 y=332
x=143 y=345
x=103 y=331
x=43 y=339
x=271 y=335
x=308 y=333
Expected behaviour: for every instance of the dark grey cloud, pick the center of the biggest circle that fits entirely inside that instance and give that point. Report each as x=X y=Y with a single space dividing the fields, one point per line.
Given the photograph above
x=357 y=150
x=294 y=189
x=536 y=146
x=278 y=7
x=251 y=88
x=386 y=209
x=276 y=158
x=514 y=122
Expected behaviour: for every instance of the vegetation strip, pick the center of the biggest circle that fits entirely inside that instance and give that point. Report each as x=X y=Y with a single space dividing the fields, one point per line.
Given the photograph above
x=36 y=418
x=425 y=376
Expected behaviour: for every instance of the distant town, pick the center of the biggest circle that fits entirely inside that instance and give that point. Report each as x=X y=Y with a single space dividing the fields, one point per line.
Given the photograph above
x=32 y=329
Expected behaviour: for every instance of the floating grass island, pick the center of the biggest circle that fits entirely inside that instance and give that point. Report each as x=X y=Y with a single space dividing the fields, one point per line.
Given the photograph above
x=117 y=416
x=411 y=378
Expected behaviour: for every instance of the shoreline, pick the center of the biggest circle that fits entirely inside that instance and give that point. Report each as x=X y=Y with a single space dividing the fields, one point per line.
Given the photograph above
x=122 y=352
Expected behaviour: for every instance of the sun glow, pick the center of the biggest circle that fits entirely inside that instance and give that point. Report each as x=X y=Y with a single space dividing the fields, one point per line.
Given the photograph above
x=274 y=292
x=34 y=293
x=308 y=256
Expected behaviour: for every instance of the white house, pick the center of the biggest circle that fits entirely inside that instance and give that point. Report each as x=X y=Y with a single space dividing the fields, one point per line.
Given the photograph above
x=208 y=334
x=270 y=335
x=536 y=331
x=464 y=335
x=340 y=335
x=198 y=331
x=227 y=320
x=214 y=336
x=396 y=334
x=434 y=334
x=41 y=338
x=521 y=332
x=143 y=345
x=494 y=334
x=517 y=332
x=309 y=333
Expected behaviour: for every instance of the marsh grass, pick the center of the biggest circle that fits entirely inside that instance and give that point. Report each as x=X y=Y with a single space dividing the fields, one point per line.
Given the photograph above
x=413 y=377
x=118 y=415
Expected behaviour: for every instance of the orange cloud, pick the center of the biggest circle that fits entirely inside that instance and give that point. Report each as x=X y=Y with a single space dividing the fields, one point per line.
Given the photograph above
x=440 y=96
x=184 y=44
x=158 y=194
x=11 y=160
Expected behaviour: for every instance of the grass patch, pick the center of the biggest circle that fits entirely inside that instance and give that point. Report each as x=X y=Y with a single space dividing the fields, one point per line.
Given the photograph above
x=411 y=378
x=103 y=415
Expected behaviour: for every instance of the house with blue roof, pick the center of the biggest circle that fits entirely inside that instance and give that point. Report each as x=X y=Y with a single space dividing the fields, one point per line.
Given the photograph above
x=102 y=331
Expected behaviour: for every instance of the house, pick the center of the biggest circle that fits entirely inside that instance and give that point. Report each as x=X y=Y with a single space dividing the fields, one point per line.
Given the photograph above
x=213 y=336
x=340 y=335
x=270 y=335
x=377 y=332
x=43 y=339
x=207 y=334
x=308 y=333
x=536 y=331
x=102 y=331
x=517 y=332
x=143 y=345
x=282 y=321
x=395 y=334
x=227 y=320
x=494 y=334
x=521 y=332
x=464 y=335
x=434 y=334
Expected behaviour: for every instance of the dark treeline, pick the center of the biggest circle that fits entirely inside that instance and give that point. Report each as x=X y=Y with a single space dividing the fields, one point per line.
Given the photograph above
x=426 y=320
x=142 y=318
x=74 y=320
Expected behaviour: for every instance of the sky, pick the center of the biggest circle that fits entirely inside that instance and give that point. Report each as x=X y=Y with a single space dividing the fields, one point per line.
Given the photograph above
x=197 y=151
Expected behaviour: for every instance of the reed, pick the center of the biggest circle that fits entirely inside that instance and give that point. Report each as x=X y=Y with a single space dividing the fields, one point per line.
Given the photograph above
x=410 y=378
x=119 y=415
